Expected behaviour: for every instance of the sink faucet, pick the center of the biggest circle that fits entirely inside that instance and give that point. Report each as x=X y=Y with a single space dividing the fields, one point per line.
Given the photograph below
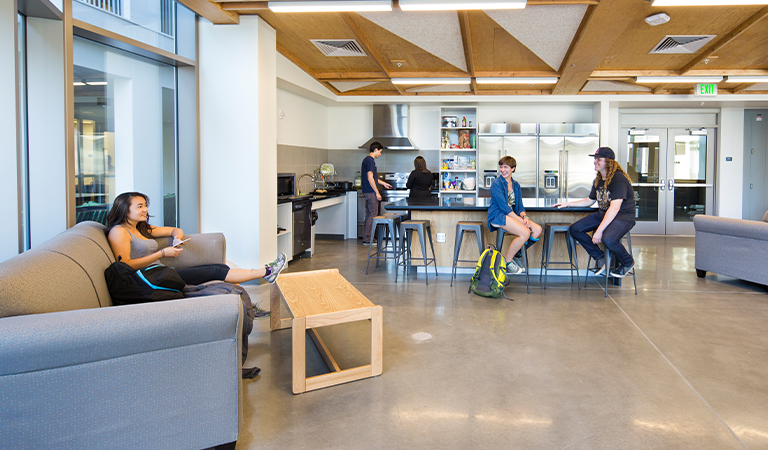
x=298 y=182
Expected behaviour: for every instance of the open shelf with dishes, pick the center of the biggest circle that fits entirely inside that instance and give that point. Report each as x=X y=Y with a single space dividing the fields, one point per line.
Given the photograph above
x=458 y=151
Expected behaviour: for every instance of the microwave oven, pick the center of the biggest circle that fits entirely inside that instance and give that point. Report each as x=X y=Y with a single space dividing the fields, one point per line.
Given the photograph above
x=286 y=185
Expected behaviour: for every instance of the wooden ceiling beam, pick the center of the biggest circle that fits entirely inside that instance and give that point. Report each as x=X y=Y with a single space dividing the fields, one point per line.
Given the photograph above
x=285 y=52
x=725 y=40
x=601 y=27
x=228 y=5
x=351 y=76
x=363 y=40
x=211 y=11
x=514 y=92
x=660 y=88
x=742 y=87
x=516 y=73
x=466 y=39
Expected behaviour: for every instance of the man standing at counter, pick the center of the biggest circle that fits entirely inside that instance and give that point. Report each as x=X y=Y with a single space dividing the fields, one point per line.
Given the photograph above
x=370 y=187
x=613 y=192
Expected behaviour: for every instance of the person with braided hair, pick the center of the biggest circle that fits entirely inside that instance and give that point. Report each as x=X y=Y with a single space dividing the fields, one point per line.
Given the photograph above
x=615 y=197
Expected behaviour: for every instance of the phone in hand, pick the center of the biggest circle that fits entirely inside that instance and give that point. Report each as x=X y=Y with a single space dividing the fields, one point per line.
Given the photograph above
x=185 y=240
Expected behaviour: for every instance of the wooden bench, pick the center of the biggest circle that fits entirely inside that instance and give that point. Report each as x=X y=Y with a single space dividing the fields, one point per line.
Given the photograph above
x=316 y=299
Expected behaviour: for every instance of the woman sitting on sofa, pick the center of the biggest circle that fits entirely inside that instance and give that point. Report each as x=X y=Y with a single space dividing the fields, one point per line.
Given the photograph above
x=131 y=239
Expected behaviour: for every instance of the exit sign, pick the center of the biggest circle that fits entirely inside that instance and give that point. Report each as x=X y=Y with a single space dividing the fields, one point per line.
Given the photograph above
x=705 y=90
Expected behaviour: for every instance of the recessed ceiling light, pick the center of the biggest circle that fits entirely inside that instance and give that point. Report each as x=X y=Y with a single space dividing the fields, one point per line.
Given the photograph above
x=330 y=6
x=516 y=80
x=657 y=19
x=708 y=2
x=746 y=79
x=678 y=79
x=431 y=80
x=460 y=5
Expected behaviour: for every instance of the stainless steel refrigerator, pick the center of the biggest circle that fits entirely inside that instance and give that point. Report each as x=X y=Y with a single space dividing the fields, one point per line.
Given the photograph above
x=518 y=140
x=566 y=171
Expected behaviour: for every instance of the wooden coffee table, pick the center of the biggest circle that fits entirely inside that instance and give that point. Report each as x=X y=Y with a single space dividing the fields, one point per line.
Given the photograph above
x=316 y=299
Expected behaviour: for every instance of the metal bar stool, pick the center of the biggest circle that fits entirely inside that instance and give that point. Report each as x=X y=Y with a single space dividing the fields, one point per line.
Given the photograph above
x=384 y=227
x=550 y=228
x=500 y=240
x=407 y=227
x=608 y=265
x=461 y=228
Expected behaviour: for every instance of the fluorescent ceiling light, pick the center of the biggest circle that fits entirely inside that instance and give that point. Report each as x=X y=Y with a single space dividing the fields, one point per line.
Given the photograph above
x=746 y=79
x=431 y=80
x=708 y=2
x=679 y=79
x=453 y=5
x=96 y=83
x=516 y=80
x=78 y=83
x=330 y=6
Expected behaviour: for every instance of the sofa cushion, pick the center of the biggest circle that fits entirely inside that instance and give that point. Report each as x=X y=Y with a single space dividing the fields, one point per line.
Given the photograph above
x=765 y=217
x=40 y=281
x=96 y=233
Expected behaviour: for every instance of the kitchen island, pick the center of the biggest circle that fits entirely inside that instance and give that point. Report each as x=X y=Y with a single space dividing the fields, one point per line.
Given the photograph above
x=444 y=213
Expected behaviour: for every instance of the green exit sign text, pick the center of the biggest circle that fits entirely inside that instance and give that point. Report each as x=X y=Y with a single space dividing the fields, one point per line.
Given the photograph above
x=705 y=90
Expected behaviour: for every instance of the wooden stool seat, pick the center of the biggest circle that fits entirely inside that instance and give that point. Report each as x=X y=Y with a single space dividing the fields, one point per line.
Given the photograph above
x=316 y=299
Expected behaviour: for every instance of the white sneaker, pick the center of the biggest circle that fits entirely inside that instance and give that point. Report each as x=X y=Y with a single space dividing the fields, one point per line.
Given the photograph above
x=513 y=269
x=275 y=267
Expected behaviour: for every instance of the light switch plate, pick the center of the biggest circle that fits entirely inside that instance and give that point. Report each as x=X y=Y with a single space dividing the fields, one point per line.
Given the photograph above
x=440 y=237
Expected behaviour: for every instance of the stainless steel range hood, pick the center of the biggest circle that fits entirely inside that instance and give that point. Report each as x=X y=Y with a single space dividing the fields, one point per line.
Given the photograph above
x=390 y=128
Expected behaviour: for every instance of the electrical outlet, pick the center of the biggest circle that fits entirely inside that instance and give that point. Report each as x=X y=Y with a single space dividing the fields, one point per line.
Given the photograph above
x=440 y=237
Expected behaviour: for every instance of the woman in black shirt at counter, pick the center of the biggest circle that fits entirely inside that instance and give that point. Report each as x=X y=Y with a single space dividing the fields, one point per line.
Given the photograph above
x=420 y=180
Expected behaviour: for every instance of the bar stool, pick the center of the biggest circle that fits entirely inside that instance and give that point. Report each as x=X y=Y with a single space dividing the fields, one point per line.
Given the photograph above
x=550 y=228
x=500 y=240
x=384 y=227
x=461 y=228
x=422 y=227
x=608 y=265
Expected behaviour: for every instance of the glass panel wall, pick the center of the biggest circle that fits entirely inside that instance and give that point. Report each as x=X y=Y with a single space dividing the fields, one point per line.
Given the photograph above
x=125 y=131
x=24 y=158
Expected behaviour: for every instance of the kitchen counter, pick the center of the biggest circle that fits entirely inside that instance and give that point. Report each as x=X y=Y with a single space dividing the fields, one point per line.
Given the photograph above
x=444 y=213
x=473 y=203
x=311 y=197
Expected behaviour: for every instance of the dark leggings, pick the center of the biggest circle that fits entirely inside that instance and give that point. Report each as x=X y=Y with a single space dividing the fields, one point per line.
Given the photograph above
x=203 y=274
x=611 y=237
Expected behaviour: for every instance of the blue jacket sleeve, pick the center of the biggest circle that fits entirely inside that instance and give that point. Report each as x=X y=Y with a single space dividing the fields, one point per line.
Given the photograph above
x=499 y=197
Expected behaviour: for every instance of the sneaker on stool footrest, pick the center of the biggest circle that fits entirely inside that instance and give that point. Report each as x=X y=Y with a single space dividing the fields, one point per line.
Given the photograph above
x=599 y=266
x=513 y=269
x=622 y=271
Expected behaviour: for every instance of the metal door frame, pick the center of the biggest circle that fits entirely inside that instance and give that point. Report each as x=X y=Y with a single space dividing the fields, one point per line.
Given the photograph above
x=666 y=224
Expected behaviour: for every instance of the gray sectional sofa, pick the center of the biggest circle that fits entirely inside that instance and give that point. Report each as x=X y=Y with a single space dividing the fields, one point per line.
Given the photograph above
x=76 y=373
x=733 y=247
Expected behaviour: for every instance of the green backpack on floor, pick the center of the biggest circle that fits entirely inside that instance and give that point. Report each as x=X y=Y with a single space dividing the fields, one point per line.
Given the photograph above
x=490 y=276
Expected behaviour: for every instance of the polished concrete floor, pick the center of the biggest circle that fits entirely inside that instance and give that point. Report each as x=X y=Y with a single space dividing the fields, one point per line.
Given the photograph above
x=684 y=364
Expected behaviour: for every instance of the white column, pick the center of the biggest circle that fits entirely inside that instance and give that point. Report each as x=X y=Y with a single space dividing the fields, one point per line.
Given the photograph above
x=730 y=174
x=9 y=226
x=238 y=163
x=46 y=112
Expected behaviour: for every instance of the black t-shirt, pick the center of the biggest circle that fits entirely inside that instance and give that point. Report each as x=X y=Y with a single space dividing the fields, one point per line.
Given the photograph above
x=419 y=183
x=369 y=165
x=620 y=188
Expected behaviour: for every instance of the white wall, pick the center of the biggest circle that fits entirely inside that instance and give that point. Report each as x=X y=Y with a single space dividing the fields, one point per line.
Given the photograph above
x=238 y=137
x=9 y=226
x=46 y=112
x=730 y=174
x=349 y=126
x=301 y=121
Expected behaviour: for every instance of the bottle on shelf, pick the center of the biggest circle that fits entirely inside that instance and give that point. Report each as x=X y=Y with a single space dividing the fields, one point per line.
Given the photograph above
x=358 y=180
x=464 y=121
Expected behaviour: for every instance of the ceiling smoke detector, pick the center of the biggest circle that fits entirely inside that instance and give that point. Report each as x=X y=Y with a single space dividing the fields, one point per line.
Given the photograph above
x=657 y=19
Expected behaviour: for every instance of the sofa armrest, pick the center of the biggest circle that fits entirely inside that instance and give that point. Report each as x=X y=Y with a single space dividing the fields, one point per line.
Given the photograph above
x=150 y=376
x=46 y=341
x=203 y=248
x=750 y=229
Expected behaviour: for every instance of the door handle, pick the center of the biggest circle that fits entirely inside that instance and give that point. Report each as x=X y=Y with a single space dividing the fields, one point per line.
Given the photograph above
x=670 y=184
x=661 y=182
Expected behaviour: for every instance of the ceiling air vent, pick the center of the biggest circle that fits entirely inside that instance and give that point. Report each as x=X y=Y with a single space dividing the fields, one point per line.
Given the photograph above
x=681 y=44
x=338 y=47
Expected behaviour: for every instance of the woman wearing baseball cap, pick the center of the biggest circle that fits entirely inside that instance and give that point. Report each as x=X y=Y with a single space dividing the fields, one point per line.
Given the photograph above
x=613 y=192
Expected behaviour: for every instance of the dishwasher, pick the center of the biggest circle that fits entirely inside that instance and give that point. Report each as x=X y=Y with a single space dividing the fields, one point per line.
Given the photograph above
x=302 y=226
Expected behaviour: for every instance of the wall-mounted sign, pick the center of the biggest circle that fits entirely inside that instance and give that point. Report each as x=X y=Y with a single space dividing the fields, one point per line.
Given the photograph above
x=705 y=90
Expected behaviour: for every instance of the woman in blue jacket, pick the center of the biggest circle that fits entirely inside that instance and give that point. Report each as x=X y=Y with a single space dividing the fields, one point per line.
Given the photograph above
x=506 y=211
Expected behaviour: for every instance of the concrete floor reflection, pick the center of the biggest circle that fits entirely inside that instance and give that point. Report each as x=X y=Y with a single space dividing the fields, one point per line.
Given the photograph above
x=681 y=365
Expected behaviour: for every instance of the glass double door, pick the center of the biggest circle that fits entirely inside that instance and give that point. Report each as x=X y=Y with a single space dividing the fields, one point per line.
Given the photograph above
x=672 y=173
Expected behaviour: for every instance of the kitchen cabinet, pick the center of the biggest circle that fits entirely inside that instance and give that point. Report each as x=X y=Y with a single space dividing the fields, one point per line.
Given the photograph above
x=285 y=236
x=458 y=151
